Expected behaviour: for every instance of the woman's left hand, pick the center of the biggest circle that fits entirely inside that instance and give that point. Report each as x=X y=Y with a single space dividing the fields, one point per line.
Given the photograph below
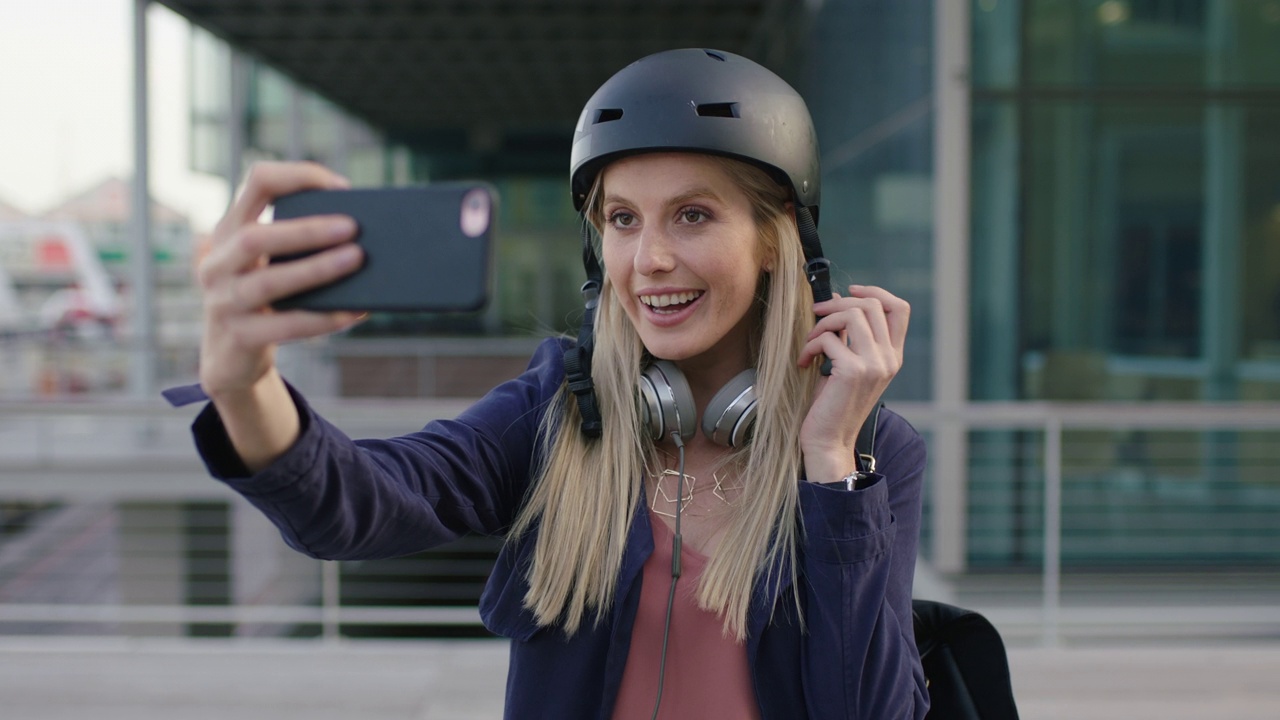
x=863 y=335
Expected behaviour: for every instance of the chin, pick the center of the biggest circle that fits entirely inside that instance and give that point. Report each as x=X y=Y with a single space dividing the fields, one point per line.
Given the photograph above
x=673 y=349
x=692 y=342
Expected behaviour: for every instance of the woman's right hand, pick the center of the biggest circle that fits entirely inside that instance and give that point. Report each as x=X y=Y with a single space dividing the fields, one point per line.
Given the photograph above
x=241 y=330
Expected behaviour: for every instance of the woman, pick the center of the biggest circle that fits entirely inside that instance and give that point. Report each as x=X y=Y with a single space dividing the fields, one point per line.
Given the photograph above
x=698 y=171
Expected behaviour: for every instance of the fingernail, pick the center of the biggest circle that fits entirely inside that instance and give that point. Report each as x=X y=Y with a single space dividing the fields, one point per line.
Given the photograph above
x=340 y=183
x=342 y=228
x=347 y=256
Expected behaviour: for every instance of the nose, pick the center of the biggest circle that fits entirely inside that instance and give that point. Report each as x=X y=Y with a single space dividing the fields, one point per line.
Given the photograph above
x=654 y=252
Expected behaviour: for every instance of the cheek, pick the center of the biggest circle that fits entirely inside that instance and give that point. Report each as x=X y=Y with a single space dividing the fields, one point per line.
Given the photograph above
x=743 y=274
x=617 y=268
x=616 y=265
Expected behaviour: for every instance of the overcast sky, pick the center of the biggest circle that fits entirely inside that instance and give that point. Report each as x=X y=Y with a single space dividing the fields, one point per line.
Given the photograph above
x=66 y=105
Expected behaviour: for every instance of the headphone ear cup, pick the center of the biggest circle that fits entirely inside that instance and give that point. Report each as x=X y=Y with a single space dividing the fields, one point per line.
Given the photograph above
x=666 y=402
x=730 y=416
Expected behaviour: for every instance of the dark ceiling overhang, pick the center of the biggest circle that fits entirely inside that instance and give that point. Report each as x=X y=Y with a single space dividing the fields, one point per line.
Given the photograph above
x=493 y=75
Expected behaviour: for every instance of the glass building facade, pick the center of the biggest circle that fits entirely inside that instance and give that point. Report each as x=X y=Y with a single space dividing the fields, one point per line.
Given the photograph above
x=1126 y=243
x=1123 y=243
x=1125 y=246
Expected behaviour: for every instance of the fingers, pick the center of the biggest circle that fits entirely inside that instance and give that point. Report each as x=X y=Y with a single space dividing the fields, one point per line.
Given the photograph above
x=250 y=292
x=267 y=181
x=871 y=323
x=854 y=315
x=897 y=312
x=888 y=315
x=851 y=355
x=269 y=328
x=236 y=276
x=247 y=246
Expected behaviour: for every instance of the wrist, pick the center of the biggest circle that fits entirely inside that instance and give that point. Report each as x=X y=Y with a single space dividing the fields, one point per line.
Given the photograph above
x=261 y=421
x=830 y=466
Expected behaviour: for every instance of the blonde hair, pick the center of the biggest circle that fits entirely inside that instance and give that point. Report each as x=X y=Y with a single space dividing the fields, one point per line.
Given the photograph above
x=585 y=495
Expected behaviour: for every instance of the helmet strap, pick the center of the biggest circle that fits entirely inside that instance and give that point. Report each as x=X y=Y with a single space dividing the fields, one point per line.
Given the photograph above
x=817 y=269
x=577 y=359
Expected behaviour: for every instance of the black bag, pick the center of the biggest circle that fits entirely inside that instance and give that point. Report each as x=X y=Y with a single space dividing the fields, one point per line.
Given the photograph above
x=965 y=664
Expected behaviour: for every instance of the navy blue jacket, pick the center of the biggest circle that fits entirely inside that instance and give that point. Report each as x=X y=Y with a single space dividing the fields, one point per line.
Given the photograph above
x=855 y=657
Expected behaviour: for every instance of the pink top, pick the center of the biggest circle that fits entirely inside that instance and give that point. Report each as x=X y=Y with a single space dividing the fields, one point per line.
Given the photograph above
x=707 y=675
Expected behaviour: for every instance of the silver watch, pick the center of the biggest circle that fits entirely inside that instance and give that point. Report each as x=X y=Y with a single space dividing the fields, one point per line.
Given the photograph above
x=848 y=482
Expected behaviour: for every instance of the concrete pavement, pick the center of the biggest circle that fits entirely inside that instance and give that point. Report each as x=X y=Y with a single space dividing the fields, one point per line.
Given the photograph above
x=1154 y=682
x=61 y=679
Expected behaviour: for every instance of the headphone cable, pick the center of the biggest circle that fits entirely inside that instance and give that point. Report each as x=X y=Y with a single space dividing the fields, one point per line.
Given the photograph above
x=675 y=572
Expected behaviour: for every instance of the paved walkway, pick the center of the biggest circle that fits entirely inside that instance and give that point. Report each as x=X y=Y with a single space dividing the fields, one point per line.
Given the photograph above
x=1149 y=683
x=60 y=679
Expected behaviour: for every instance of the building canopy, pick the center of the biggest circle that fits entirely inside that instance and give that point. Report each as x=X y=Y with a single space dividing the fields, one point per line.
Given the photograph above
x=495 y=74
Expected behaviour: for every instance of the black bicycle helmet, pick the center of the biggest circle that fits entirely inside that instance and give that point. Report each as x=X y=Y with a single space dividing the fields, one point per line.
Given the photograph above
x=699 y=100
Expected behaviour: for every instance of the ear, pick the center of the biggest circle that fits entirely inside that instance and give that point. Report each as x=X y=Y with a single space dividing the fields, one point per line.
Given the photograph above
x=772 y=256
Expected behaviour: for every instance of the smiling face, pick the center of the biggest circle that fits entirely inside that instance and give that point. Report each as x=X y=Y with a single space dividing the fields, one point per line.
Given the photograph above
x=682 y=251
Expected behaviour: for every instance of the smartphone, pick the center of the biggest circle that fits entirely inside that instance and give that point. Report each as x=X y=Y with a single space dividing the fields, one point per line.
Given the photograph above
x=426 y=248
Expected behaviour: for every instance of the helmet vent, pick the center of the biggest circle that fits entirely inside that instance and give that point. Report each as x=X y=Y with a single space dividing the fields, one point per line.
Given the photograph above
x=715 y=55
x=725 y=110
x=608 y=115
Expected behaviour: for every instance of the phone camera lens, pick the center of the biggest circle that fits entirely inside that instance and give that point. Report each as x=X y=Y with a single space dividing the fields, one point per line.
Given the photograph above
x=475 y=213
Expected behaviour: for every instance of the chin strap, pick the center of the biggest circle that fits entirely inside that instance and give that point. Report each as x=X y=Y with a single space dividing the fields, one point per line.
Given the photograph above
x=817 y=269
x=577 y=359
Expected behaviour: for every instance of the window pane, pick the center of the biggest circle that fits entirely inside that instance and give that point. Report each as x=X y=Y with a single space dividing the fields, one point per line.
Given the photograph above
x=1139 y=257
x=995 y=43
x=1230 y=43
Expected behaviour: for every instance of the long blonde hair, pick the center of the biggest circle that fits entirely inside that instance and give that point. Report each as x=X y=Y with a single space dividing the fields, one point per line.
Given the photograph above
x=585 y=494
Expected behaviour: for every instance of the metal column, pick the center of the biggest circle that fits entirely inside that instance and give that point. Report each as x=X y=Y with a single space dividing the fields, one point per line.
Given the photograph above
x=143 y=346
x=949 y=450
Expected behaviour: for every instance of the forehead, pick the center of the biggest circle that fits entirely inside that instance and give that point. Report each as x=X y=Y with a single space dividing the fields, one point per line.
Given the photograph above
x=667 y=173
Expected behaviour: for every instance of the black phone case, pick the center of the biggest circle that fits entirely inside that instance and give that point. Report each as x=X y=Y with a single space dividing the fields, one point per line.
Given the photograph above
x=417 y=257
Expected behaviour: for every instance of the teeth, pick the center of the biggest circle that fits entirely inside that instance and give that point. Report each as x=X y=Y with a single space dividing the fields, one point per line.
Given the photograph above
x=661 y=301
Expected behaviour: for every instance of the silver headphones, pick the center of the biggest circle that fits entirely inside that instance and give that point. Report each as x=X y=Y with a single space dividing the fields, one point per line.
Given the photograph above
x=666 y=405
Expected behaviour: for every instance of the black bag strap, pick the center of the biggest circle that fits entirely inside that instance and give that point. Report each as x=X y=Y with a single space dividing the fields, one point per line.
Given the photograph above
x=866 y=443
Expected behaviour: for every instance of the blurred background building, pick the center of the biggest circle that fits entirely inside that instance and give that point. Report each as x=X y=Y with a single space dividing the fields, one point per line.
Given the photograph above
x=1080 y=198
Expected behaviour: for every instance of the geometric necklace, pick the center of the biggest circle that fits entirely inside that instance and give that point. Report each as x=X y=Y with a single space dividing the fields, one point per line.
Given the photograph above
x=663 y=498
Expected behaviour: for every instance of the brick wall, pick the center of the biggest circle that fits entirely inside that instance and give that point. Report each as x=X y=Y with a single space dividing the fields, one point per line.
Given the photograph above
x=449 y=368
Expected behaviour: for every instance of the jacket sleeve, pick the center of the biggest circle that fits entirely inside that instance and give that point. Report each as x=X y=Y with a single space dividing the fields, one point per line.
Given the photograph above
x=336 y=498
x=859 y=658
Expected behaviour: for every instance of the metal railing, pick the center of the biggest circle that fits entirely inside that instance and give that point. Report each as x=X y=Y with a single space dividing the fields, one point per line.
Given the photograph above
x=1052 y=421
x=120 y=454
